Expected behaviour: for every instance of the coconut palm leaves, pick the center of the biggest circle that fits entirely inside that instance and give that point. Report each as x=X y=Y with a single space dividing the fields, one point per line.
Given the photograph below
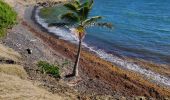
x=80 y=10
x=79 y=13
x=70 y=16
x=91 y=21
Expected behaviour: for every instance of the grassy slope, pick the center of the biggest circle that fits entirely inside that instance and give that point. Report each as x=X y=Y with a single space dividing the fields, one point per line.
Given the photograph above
x=14 y=84
x=13 y=87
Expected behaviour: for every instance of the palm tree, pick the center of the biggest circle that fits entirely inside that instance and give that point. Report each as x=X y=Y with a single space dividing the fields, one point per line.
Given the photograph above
x=79 y=13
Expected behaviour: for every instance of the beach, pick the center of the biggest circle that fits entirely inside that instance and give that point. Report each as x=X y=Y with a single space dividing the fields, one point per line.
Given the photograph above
x=98 y=75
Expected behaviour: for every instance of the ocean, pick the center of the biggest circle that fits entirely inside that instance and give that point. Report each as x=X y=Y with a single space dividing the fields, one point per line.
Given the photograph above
x=141 y=29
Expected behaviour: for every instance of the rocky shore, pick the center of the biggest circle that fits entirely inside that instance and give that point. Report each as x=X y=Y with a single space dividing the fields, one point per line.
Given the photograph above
x=100 y=79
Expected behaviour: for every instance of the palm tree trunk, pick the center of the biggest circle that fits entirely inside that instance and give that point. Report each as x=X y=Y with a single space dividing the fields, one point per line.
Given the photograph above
x=75 y=70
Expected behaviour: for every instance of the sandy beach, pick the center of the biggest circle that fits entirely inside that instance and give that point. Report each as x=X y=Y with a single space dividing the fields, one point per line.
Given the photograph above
x=99 y=77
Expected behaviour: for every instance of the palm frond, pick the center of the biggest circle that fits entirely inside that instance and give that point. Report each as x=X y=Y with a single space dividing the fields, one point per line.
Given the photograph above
x=100 y=24
x=104 y=24
x=77 y=2
x=91 y=4
x=71 y=7
x=84 y=13
x=84 y=4
x=88 y=3
x=90 y=21
x=70 y=16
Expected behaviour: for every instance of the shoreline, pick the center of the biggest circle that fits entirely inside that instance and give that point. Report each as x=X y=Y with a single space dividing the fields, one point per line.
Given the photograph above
x=70 y=46
x=112 y=58
x=111 y=77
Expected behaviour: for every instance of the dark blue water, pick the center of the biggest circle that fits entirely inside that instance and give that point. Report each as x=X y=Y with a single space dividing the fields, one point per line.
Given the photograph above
x=142 y=29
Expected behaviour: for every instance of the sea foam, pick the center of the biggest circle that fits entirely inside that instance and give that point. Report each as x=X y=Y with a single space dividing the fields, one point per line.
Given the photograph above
x=63 y=34
x=66 y=35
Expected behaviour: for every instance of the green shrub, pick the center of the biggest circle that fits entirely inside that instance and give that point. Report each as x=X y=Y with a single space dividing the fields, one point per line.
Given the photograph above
x=47 y=68
x=7 y=17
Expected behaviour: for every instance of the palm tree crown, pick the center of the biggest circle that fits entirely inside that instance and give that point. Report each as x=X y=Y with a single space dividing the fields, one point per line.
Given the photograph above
x=79 y=15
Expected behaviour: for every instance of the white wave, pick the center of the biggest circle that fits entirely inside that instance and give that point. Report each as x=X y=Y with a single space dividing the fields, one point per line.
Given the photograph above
x=131 y=66
x=108 y=57
x=63 y=34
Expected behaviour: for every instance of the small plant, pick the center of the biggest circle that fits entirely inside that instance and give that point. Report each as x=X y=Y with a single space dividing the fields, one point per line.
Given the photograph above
x=47 y=68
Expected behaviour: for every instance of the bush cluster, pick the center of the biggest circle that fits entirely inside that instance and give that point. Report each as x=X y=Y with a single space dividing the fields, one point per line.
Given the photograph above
x=7 y=17
x=47 y=68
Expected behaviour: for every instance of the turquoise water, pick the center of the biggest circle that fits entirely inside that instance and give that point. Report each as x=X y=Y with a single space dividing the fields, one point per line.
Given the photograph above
x=142 y=28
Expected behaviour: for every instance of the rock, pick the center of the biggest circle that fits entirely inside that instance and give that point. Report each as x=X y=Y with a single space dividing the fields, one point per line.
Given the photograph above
x=97 y=76
x=10 y=61
x=140 y=98
x=122 y=98
x=66 y=49
x=166 y=98
x=126 y=77
x=29 y=51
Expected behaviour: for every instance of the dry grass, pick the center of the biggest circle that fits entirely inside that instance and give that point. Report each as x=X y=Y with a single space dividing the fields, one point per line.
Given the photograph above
x=8 y=53
x=15 y=88
x=15 y=70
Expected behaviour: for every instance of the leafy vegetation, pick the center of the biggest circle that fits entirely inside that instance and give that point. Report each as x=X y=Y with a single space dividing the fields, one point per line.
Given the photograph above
x=47 y=68
x=7 y=17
